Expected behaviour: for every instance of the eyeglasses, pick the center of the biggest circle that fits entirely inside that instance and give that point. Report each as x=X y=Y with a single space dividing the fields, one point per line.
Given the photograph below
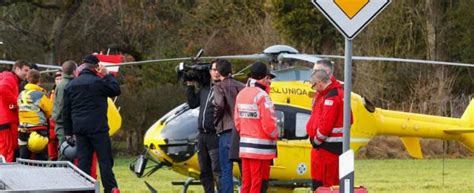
x=314 y=84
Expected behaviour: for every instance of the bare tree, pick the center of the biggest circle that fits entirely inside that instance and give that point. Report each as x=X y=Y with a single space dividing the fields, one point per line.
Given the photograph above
x=62 y=11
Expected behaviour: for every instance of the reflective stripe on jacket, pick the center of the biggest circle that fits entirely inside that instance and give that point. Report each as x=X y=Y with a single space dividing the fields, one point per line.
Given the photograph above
x=35 y=108
x=255 y=121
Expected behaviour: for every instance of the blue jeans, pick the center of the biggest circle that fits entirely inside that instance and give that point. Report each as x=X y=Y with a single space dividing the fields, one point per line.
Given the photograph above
x=226 y=179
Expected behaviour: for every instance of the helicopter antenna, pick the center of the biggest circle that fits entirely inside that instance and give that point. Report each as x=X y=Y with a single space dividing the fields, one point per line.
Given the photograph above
x=195 y=59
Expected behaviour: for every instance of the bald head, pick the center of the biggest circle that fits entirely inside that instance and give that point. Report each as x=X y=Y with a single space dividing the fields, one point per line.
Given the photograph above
x=69 y=67
x=326 y=65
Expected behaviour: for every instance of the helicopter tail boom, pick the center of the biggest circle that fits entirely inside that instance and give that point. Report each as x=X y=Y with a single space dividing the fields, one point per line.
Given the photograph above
x=411 y=126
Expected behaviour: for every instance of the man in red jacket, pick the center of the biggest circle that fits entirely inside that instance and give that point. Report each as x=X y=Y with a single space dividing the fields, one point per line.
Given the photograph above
x=9 y=90
x=254 y=118
x=325 y=129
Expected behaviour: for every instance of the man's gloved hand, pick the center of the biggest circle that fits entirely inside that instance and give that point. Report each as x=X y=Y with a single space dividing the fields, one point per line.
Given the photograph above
x=70 y=140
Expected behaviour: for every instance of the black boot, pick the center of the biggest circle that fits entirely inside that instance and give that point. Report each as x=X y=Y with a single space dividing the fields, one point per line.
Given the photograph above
x=264 y=187
x=315 y=185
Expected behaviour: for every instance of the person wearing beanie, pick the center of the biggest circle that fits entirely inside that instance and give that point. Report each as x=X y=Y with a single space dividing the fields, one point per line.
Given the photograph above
x=85 y=116
x=91 y=62
x=225 y=92
x=91 y=59
x=255 y=121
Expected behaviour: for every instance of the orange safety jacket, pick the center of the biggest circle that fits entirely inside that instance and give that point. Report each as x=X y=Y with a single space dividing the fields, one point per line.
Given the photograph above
x=254 y=118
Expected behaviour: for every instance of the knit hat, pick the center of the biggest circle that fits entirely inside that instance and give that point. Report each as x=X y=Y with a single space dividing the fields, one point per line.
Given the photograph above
x=91 y=59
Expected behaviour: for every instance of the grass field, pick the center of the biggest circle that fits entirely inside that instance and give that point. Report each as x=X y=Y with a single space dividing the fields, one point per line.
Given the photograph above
x=407 y=176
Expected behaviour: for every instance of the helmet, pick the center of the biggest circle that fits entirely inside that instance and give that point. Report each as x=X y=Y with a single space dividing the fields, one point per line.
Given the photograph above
x=37 y=142
x=68 y=151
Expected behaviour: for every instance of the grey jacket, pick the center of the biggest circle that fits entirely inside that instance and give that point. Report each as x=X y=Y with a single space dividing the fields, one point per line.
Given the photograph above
x=59 y=98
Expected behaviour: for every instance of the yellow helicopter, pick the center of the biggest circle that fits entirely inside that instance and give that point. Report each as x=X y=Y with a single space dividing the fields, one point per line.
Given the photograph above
x=171 y=140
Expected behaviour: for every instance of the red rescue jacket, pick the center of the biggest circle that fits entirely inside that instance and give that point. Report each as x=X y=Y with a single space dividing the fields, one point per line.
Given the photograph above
x=254 y=118
x=325 y=126
x=9 y=84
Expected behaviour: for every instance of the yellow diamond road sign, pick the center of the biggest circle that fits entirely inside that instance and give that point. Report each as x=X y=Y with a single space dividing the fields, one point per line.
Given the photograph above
x=350 y=16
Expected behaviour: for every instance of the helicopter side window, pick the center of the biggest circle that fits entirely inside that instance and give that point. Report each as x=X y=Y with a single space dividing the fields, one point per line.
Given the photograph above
x=301 y=120
x=280 y=116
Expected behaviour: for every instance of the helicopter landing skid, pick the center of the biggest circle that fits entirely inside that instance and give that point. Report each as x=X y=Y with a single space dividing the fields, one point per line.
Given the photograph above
x=190 y=181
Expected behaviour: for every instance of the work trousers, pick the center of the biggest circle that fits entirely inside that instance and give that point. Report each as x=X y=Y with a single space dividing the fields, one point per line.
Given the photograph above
x=324 y=168
x=53 y=144
x=227 y=181
x=208 y=156
x=255 y=174
x=8 y=141
x=100 y=142
x=59 y=131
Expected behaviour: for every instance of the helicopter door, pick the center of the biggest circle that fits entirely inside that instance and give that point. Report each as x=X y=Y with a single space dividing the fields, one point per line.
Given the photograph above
x=292 y=122
x=300 y=125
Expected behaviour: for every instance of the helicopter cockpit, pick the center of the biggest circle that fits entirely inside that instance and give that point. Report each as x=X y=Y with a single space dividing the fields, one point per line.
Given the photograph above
x=179 y=132
x=293 y=74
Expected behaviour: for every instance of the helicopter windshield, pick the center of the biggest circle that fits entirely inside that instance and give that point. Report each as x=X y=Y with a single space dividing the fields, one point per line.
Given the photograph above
x=293 y=73
x=181 y=125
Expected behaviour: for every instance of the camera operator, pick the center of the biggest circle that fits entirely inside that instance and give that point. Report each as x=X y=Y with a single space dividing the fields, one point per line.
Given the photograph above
x=208 y=143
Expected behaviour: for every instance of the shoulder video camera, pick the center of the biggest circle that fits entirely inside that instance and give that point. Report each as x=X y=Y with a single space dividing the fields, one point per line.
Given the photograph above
x=195 y=71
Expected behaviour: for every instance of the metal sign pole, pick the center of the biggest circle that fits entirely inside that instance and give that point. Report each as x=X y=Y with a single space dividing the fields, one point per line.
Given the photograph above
x=347 y=94
x=347 y=182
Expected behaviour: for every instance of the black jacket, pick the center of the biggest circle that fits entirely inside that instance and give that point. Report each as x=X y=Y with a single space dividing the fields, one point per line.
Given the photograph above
x=203 y=100
x=85 y=103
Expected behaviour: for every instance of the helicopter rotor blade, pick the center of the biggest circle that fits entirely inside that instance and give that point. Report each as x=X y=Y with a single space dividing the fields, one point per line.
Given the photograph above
x=371 y=58
x=39 y=65
x=305 y=57
x=242 y=57
x=148 y=61
x=48 y=66
x=48 y=71
x=7 y=62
